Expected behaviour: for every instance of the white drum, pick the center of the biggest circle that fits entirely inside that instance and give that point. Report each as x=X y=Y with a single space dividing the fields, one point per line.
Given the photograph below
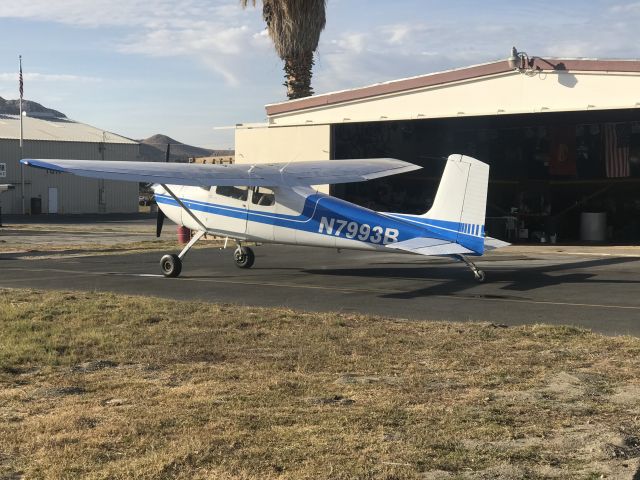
x=593 y=227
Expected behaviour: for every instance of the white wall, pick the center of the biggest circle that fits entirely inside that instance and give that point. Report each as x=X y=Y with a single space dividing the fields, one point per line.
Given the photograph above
x=499 y=94
x=286 y=144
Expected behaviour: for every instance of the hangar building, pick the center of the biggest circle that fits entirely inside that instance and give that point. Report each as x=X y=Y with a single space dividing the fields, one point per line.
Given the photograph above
x=52 y=192
x=562 y=137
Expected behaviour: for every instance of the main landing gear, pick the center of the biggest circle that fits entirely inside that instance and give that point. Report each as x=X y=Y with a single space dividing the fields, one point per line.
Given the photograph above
x=244 y=257
x=171 y=265
x=478 y=274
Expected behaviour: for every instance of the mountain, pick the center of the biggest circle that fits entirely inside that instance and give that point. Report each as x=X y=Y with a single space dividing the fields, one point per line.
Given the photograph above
x=153 y=149
x=11 y=107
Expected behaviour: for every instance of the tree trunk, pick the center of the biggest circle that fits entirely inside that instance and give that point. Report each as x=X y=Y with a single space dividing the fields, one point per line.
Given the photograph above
x=298 y=72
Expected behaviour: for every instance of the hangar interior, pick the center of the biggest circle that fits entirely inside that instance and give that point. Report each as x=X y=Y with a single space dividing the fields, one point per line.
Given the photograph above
x=546 y=168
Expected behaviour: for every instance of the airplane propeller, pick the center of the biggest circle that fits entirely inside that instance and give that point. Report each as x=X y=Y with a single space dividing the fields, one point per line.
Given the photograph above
x=159 y=222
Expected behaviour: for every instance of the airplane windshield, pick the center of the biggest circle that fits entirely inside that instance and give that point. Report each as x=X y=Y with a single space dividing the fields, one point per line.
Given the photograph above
x=263 y=196
x=239 y=193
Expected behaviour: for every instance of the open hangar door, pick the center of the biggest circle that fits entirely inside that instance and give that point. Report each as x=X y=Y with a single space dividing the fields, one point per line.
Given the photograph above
x=547 y=169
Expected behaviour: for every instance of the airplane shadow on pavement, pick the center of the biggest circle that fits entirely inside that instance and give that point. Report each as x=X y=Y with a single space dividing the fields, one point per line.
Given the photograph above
x=453 y=279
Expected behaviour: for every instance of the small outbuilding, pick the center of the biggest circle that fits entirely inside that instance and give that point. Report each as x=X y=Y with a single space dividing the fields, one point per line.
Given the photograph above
x=562 y=137
x=45 y=191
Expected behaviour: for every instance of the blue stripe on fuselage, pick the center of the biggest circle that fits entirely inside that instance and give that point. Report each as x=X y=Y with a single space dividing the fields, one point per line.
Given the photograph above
x=467 y=235
x=318 y=206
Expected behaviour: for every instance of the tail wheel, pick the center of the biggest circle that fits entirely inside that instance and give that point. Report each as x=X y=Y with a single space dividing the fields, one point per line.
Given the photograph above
x=171 y=265
x=244 y=257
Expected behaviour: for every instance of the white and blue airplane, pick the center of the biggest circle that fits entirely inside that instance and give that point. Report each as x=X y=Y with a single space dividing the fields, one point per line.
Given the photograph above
x=276 y=203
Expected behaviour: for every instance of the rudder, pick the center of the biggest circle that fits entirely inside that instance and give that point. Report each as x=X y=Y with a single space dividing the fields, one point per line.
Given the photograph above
x=461 y=200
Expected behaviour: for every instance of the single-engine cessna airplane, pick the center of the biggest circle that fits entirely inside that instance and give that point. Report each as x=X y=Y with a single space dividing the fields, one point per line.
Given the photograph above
x=275 y=203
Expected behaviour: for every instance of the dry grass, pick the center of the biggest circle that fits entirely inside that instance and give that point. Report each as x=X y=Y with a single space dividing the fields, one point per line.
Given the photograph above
x=91 y=248
x=98 y=385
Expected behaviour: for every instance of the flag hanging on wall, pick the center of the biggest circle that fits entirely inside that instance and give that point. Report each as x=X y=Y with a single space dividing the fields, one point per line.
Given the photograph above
x=616 y=146
x=563 y=151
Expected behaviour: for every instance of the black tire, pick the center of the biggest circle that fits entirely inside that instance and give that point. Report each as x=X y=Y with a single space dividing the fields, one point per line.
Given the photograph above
x=244 y=258
x=171 y=265
x=480 y=276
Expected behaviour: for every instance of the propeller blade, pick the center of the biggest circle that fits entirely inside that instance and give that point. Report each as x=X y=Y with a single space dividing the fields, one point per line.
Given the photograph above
x=159 y=222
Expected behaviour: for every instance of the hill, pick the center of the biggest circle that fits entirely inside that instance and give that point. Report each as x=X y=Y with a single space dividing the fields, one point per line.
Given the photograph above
x=11 y=107
x=153 y=149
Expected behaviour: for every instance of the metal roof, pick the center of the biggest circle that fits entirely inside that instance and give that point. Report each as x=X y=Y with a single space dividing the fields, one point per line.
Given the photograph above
x=56 y=129
x=448 y=77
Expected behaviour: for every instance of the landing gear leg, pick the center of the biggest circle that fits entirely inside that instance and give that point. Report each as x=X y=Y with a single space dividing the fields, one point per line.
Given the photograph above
x=171 y=265
x=478 y=274
x=244 y=257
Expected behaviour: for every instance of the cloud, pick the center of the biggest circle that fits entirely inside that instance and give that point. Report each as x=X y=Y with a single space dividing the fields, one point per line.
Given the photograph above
x=218 y=35
x=626 y=8
x=403 y=33
x=364 y=55
x=40 y=85
x=358 y=58
x=47 y=77
x=120 y=13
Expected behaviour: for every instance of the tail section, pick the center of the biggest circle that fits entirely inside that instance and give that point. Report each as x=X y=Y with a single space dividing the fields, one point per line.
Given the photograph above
x=461 y=201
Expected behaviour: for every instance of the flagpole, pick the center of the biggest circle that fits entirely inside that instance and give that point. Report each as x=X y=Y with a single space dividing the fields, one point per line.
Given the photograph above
x=24 y=211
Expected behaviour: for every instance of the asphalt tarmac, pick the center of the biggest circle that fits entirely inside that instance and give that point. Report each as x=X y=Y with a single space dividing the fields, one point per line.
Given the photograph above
x=601 y=293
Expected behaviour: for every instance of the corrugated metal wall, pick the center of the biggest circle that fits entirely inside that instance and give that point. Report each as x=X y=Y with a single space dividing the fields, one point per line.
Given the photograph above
x=75 y=194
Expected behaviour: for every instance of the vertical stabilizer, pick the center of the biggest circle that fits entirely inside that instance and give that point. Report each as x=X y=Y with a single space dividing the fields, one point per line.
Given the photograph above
x=461 y=200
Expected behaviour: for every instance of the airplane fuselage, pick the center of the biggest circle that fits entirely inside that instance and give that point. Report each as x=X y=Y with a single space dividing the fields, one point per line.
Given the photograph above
x=299 y=216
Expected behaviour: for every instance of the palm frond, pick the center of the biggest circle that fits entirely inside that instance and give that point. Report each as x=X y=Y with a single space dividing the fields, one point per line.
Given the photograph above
x=294 y=27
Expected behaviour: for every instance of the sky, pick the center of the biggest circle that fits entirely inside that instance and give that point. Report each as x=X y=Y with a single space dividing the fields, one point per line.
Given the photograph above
x=183 y=67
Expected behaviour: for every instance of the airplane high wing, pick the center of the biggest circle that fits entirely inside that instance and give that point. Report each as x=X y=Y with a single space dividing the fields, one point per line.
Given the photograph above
x=199 y=175
x=273 y=203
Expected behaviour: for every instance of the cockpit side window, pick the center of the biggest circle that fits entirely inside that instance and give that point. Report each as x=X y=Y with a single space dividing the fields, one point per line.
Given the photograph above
x=265 y=197
x=239 y=193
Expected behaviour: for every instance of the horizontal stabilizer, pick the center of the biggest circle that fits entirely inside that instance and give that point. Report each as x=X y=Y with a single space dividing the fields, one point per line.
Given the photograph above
x=430 y=246
x=491 y=243
x=204 y=175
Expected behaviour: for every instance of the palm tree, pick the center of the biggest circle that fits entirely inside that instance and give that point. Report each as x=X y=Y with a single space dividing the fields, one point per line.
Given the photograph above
x=294 y=27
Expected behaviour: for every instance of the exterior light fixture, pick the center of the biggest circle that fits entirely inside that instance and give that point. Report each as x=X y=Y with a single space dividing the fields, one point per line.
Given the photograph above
x=520 y=61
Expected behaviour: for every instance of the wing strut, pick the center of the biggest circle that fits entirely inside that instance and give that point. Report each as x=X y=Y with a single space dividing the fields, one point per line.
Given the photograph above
x=191 y=243
x=186 y=209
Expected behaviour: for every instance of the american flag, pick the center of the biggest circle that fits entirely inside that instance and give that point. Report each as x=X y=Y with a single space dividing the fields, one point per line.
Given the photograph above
x=20 y=80
x=616 y=144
